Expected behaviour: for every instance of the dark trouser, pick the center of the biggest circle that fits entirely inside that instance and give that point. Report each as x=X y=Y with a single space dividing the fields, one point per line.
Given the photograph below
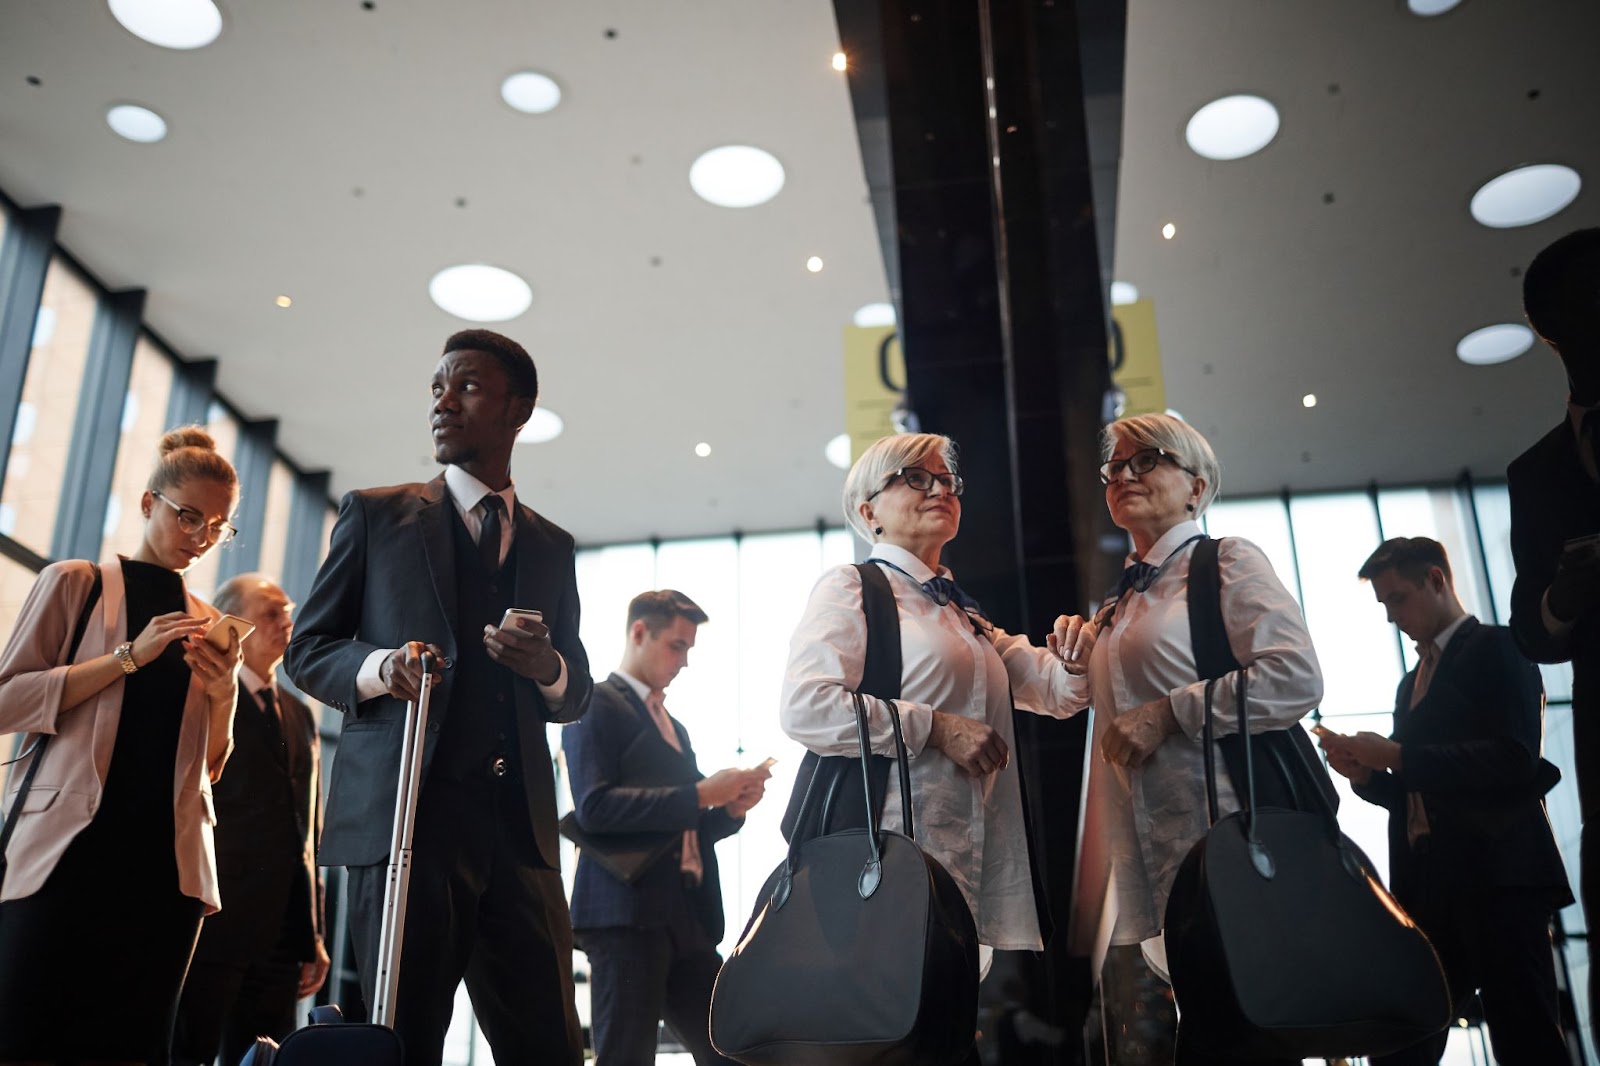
x=641 y=976
x=227 y=1004
x=483 y=907
x=1497 y=942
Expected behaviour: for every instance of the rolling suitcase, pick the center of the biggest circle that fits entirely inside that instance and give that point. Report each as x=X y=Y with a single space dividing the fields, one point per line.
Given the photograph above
x=328 y=1040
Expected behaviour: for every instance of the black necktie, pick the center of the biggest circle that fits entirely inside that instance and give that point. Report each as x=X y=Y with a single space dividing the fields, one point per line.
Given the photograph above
x=944 y=590
x=489 y=538
x=1137 y=577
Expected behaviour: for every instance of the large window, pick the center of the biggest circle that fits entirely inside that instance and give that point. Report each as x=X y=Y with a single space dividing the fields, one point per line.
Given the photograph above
x=224 y=429
x=37 y=463
x=275 y=510
x=143 y=415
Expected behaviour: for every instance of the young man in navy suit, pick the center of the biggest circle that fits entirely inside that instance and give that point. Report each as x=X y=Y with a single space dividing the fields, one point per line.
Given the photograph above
x=651 y=942
x=1555 y=504
x=438 y=568
x=1471 y=854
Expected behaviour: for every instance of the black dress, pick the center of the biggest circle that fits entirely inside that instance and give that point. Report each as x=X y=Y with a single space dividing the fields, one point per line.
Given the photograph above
x=91 y=965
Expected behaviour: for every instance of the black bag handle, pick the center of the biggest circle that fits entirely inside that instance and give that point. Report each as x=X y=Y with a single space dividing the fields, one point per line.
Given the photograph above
x=42 y=742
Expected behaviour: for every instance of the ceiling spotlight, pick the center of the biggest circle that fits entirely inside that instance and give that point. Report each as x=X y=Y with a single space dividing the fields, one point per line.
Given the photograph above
x=1494 y=344
x=480 y=293
x=814 y=264
x=838 y=451
x=545 y=425
x=1123 y=292
x=1429 y=8
x=1525 y=195
x=839 y=61
x=702 y=449
x=135 y=123
x=1169 y=231
x=870 y=315
x=736 y=175
x=284 y=301
x=1308 y=400
x=170 y=23
x=530 y=92
x=1232 y=127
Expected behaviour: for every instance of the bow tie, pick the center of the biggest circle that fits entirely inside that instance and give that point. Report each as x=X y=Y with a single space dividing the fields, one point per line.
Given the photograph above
x=1137 y=577
x=943 y=590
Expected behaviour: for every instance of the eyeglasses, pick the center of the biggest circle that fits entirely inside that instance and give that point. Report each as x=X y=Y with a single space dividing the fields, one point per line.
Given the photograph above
x=191 y=522
x=1140 y=463
x=919 y=480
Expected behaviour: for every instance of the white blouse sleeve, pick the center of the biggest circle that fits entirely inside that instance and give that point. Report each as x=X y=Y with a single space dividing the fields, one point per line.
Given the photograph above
x=1268 y=635
x=1039 y=683
x=826 y=657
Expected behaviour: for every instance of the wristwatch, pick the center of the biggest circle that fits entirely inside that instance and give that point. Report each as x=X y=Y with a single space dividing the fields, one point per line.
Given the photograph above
x=124 y=654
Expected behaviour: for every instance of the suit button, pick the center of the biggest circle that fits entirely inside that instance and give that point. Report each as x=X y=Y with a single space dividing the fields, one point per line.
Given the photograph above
x=500 y=697
x=433 y=727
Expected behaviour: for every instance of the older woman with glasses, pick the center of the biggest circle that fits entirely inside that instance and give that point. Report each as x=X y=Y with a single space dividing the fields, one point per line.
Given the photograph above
x=127 y=712
x=1147 y=804
x=961 y=676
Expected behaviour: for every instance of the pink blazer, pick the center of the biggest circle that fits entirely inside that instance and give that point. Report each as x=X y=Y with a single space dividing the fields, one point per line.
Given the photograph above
x=66 y=792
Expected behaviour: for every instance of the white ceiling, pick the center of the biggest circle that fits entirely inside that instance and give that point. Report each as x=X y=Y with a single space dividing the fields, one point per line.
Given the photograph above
x=319 y=149
x=1268 y=293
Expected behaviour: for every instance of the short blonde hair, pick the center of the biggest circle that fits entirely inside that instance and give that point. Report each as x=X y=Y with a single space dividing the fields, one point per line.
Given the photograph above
x=1175 y=437
x=877 y=465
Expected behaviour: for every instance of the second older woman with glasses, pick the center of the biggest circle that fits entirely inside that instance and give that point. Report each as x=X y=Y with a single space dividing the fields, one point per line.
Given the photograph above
x=959 y=677
x=1147 y=796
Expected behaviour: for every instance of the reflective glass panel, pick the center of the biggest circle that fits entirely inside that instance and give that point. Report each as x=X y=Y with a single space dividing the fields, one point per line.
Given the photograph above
x=143 y=422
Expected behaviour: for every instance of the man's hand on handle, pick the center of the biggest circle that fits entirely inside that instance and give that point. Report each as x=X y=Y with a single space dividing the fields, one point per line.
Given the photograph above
x=401 y=672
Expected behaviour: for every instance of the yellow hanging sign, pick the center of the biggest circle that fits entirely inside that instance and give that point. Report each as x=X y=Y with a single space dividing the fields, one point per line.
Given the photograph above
x=874 y=379
x=1136 y=357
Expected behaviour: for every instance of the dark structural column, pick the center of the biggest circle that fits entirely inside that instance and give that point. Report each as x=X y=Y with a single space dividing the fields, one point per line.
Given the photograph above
x=253 y=460
x=193 y=390
x=97 y=428
x=991 y=129
x=24 y=258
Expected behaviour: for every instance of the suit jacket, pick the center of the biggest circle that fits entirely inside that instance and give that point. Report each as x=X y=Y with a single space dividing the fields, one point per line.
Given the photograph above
x=267 y=890
x=389 y=578
x=67 y=789
x=1552 y=501
x=1471 y=747
x=607 y=755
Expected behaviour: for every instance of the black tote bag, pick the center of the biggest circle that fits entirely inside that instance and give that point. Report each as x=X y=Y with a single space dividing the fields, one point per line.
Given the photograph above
x=861 y=950
x=1282 y=942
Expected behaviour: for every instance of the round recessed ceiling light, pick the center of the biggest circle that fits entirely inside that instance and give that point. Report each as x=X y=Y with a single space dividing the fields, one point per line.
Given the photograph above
x=1232 y=127
x=736 y=175
x=814 y=264
x=840 y=61
x=1308 y=400
x=1123 y=292
x=1494 y=344
x=1169 y=231
x=837 y=451
x=1429 y=8
x=702 y=449
x=136 y=123
x=870 y=315
x=530 y=92
x=480 y=293
x=170 y=23
x=543 y=426
x=1526 y=195
x=284 y=301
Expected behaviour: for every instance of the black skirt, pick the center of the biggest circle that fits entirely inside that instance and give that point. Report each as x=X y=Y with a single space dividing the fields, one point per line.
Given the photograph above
x=91 y=965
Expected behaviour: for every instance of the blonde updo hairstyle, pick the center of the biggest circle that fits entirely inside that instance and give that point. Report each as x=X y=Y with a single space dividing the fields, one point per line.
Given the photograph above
x=1175 y=437
x=189 y=453
x=877 y=465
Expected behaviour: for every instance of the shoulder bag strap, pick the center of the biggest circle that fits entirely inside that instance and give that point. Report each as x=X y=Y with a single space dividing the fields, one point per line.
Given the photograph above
x=1208 y=632
x=880 y=675
x=38 y=747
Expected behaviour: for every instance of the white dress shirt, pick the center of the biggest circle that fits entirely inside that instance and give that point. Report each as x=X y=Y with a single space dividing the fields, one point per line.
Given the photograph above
x=973 y=826
x=1144 y=821
x=467 y=493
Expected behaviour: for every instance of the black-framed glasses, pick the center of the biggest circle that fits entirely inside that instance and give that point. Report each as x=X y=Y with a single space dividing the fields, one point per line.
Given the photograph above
x=191 y=522
x=1139 y=464
x=919 y=480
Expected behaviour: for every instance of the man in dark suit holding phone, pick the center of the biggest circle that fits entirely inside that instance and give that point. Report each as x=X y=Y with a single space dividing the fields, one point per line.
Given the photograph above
x=652 y=940
x=1555 y=515
x=1471 y=854
x=438 y=568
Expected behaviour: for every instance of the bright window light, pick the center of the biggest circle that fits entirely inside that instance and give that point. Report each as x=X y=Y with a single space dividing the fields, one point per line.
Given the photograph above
x=1123 y=292
x=736 y=175
x=869 y=315
x=136 y=123
x=170 y=23
x=1232 y=127
x=530 y=92
x=480 y=293
x=545 y=425
x=1494 y=344
x=1526 y=195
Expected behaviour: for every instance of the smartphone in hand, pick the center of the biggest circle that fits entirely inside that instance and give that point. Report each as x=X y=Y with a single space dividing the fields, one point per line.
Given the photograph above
x=513 y=613
x=217 y=634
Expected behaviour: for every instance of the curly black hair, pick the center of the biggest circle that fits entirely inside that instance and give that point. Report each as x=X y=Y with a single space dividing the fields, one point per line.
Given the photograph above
x=513 y=358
